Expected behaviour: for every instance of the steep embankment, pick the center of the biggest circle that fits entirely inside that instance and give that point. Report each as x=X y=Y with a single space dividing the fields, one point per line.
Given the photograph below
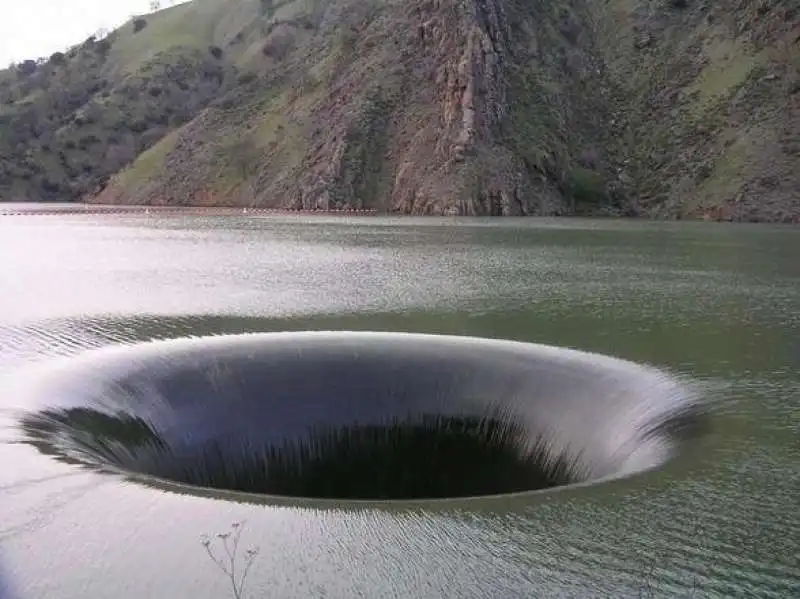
x=707 y=109
x=669 y=108
x=424 y=107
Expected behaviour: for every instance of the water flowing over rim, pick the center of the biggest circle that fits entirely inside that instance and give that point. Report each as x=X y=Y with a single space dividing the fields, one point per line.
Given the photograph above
x=631 y=409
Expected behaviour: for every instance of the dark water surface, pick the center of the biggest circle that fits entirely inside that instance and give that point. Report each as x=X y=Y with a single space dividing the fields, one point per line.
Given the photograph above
x=717 y=304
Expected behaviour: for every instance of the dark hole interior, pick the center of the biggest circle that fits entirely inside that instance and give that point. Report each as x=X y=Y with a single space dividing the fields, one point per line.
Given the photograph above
x=429 y=456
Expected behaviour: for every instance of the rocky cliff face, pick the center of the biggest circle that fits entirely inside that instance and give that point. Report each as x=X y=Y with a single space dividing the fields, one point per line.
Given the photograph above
x=425 y=107
x=504 y=107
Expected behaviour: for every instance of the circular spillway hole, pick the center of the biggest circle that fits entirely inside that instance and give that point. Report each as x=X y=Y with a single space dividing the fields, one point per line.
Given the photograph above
x=366 y=416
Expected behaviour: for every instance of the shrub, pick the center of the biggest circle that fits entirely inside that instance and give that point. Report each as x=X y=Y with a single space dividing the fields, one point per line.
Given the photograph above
x=590 y=158
x=102 y=47
x=225 y=103
x=704 y=171
x=268 y=49
x=569 y=26
x=306 y=23
x=215 y=51
x=138 y=126
x=87 y=140
x=246 y=78
x=50 y=186
x=139 y=24
x=58 y=59
x=587 y=186
x=27 y=68
x=278 y=46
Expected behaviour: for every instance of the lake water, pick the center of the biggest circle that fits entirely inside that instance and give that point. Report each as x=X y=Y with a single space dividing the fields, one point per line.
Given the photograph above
x=715 y=304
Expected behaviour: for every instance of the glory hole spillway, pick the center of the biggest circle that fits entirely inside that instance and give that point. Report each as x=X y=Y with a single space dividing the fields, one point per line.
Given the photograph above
x=355 y=416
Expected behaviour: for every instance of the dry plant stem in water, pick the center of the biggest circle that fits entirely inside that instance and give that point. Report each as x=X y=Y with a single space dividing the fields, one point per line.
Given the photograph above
x=227 y=561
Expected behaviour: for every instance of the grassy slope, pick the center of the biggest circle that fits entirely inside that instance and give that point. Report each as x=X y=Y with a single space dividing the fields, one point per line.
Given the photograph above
x=73 y=123
x=625 y=106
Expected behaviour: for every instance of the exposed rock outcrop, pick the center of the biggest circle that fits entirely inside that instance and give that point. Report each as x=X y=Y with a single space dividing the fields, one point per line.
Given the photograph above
x=473 y=107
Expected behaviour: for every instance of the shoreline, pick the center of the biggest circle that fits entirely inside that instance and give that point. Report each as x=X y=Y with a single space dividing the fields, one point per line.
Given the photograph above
x=96 y=209
x=63 y=208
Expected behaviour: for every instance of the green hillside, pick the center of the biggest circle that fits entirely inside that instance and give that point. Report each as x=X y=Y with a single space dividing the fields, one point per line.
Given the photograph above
x=662 y=108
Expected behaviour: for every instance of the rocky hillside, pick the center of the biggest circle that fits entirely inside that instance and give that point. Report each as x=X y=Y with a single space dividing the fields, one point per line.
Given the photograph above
x=664 y=108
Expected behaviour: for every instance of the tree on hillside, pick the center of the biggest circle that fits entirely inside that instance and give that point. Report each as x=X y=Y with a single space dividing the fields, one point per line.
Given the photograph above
x=155 y=5
x=27 y=67
x=58 y=59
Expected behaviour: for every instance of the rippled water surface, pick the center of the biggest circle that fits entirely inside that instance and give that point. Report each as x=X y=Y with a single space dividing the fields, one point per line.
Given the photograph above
x=715 y=304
